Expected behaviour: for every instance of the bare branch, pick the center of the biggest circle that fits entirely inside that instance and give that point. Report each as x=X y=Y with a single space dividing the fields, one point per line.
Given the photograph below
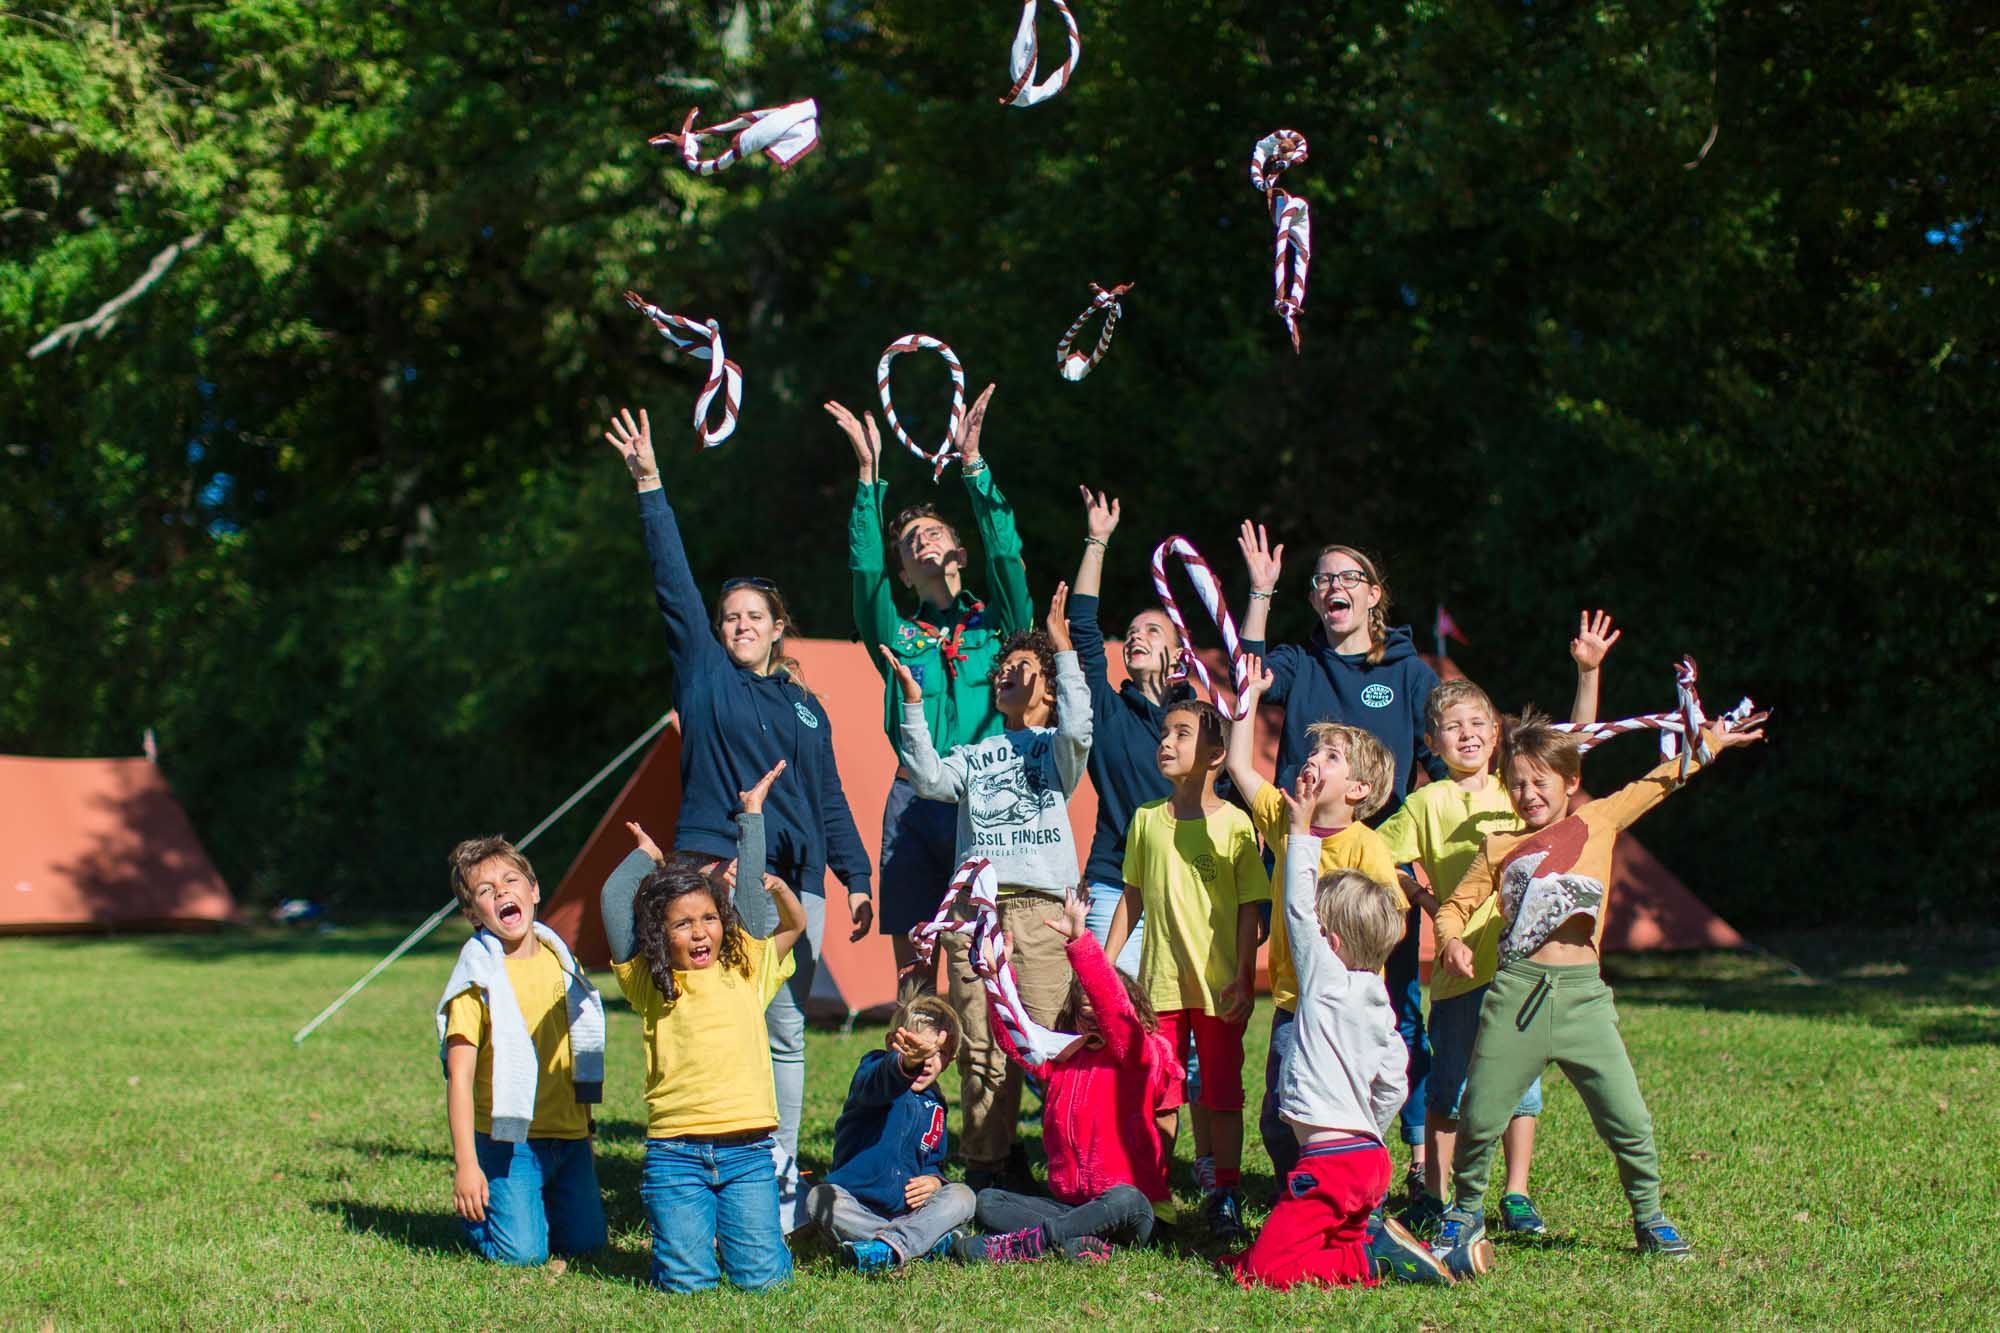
x=100 y=319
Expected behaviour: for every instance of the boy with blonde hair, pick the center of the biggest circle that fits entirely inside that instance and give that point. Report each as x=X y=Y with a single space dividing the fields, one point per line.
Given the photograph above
x=1353 y=777
x=521 y=1037
x=1194 y=872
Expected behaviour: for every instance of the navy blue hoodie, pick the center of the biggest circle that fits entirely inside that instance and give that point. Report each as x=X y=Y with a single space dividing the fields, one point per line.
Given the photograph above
x=736 y=724
x=1316 y=684
x=887 y=1135
x=1124 y=745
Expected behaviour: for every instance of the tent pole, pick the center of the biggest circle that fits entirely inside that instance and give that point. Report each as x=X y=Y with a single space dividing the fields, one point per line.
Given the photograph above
x=436 y=918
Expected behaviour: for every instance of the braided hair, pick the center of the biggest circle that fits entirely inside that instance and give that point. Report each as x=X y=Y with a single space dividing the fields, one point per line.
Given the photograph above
x=680 y=877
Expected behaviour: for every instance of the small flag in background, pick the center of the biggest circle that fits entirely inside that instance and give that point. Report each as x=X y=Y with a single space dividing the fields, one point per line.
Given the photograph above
x=1447 y=628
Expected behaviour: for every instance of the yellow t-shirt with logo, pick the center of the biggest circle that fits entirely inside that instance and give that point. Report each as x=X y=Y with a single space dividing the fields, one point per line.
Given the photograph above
x=542 y=992
x=1443 y=825
x=708 y=1056
x=1192 y=875
x=1356 y=847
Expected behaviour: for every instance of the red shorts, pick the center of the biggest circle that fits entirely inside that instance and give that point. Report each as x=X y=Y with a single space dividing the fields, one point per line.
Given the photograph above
x=1318 y=1233
x=1220 y=1046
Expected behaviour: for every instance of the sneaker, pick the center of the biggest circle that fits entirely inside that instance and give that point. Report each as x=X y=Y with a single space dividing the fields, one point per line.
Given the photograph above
x=1204 y=1175
x=1656 y=1235
x=1519 y=1218
x=947 y=1244
x=1395 y=1253
x=1009 y=1247
x=1462 y=1245
x=1087 y=1249
x=1222 y=1210
x=1423 y=1216
x=867 y=1256
x=1413 y=1181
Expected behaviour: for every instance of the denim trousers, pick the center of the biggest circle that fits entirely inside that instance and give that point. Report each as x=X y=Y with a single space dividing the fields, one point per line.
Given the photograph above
x=541 y=1198
x=702 y=1198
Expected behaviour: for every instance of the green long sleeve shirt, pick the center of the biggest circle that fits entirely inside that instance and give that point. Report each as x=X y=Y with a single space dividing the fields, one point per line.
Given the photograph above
x=951 y=651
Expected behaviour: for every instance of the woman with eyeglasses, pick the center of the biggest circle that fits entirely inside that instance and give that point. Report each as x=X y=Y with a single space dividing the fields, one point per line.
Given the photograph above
x=743 y=707
x=1356 y=669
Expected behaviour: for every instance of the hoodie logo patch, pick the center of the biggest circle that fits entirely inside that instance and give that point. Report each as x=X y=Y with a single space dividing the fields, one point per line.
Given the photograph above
x=1378 y=696
x=806 y=715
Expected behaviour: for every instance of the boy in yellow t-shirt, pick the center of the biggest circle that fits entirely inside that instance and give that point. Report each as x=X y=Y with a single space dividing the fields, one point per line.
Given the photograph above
x=521 y=1032
x=1193 y=872
x=1356 y=777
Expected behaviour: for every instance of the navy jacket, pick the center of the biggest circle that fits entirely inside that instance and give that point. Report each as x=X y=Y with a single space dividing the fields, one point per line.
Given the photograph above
x=887 y=1135
x=735 y=724
x=1124 y=745
x=1316 y=684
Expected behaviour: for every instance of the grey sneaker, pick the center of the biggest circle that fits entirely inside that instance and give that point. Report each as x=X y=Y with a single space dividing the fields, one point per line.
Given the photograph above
x=1656 y=1235
x=1461 y=1244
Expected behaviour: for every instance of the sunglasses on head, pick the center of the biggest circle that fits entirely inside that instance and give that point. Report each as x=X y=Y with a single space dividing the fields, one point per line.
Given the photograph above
x=761 y=585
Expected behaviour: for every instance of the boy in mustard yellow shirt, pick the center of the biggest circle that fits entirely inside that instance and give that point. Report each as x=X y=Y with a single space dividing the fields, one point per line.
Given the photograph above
x=1194 y=873
x=521 y=1037
x=1356 y=776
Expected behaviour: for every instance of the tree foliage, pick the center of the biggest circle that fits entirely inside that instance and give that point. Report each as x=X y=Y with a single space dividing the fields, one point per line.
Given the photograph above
x=325 y=502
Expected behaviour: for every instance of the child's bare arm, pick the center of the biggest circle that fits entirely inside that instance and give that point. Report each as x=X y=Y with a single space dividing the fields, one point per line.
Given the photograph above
x=1241 y=757
x=933 y=777
x=468 y=1182
x=1594 y=638
x=791 y=916
x=1240 y=995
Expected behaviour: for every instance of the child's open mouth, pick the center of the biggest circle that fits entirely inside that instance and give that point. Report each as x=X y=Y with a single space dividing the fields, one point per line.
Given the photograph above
x=510 y=914
x=700 y=955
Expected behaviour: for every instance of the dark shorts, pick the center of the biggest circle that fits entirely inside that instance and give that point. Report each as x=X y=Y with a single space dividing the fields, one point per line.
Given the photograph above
x=919 y=847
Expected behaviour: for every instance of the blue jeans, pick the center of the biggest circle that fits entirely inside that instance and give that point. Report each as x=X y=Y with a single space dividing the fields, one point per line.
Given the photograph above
x=919 y=854
x=1454 y=1024
x=1279 y=1141
x=703 y=1196
x=785 y=1023
x=541 y=1196
x=1406 y=1000
x=1103 y=905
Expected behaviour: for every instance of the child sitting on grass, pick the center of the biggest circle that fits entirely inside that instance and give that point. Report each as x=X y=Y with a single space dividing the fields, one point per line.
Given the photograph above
x=886 y=1201
x=521 y=1036
x=1193 y=870
x=1012 y=791
x=1548 y=1000
x=1342 y=1085
x=699 y=977
x=1103 y=1094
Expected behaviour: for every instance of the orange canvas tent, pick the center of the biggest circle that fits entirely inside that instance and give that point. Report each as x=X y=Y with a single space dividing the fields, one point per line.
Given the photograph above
x=100 y=844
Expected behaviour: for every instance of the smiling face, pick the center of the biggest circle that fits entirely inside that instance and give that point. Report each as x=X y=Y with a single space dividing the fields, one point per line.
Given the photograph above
x=1342 y=594
x=926 y=546
x=1465 y=737
x=503 y=900
x=1150 y=643
x=694 y=931
x=747 y=629
x=1540 y=794
x=1019 y=684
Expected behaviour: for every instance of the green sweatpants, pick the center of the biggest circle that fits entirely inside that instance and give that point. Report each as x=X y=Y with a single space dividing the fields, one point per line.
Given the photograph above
x=1534 y=1014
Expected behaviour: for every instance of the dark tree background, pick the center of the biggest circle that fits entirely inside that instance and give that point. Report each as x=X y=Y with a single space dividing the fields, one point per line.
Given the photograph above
x=325 y=501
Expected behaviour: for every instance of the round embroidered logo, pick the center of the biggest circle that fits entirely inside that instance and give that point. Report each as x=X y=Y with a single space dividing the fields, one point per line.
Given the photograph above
x=806 y=715
x=1206 y=866
x=1378 y=696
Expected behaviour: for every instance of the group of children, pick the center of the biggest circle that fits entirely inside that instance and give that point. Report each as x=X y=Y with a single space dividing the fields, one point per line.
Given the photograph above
x=1513 y=871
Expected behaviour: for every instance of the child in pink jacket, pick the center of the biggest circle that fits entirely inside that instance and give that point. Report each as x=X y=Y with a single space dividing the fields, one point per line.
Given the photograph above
x=1104 y=1092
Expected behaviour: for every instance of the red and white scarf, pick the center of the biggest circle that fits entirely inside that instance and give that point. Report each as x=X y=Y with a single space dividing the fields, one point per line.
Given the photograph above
x=1209 y=589
x=987 y=951
x=703 y=341
x=1291 y=253
x=784 y=134
x=917 y=342
x=1680 y=730
x=1073 y=365
x=1022 y=58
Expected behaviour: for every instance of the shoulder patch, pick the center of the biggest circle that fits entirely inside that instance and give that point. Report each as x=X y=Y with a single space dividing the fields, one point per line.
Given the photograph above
x=806 y=715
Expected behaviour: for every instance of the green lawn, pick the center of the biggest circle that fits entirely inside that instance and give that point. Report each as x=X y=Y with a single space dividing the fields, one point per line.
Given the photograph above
x=167 y=1158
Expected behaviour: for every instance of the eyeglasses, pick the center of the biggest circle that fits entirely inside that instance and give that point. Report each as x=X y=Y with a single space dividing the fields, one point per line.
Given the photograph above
x=1346 y=578
x=761 y=585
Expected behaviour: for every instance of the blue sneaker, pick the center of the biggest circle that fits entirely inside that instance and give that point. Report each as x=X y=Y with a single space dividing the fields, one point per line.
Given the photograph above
x=1223 y=1212
x=1461 y=1243
x=947 y=1244
x=1656 y=1235
x=867 y=1256
x=1395 y=1253
x=1519 y=1218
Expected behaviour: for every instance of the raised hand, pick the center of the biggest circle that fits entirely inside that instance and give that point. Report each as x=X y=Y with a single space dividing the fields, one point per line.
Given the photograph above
x=634 y=442
x=967 y=442
x=1300 y=806
x=1262 y=559
x=753 y=800
x=913 y=693
x=1074 y=923
x=862 y=435
x=1594 y=637
x=1100 y=514
x=1256 y=681
x=1057 y=620
x=645 y=844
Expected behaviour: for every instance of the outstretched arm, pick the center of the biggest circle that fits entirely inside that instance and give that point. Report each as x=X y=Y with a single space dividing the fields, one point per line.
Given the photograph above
x=938 y=779
x=1073 y=719
x=1100 y=520
x=690 y=643
x=1264 y=561
x=1117 y=1021
x=875 y=616
x=1594 y=637
x=757 y=911
x=1240 y=760
x=1006 y=573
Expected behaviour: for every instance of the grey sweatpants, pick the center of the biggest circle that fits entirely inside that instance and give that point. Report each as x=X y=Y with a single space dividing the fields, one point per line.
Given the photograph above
x=844 y=1217
x=785 y=1021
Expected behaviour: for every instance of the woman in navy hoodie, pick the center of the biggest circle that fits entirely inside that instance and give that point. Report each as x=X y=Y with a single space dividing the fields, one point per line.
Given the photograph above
x=1357 y=670
x=743 y=708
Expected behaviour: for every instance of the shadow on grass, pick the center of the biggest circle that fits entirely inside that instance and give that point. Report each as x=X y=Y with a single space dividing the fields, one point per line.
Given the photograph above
x=1933 y=988
x=442 y=1233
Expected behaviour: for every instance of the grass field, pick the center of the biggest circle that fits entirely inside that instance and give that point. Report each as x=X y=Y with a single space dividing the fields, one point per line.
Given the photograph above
x=168 y=1159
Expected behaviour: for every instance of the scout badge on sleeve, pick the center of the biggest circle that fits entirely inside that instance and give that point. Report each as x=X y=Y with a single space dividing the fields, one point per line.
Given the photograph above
x=917 y=342
x=782 y=133
x=1022 y=60
x=1209 y=589
x=1075 y=365
x=1292 y=246
x=988 y=954
x=703 y=341
x=1680 y=730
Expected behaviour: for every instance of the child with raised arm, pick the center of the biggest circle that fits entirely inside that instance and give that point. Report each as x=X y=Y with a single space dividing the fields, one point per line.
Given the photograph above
x=886 y=1201
x=521 y=1038
x=1351 y=779
x=1548 y=1002
x=1012 y=791
x=1105 y=1092
x=699 y=976
x=1343 y=1083
x=1193 y=870
x=1441 y=826
x=951 y=644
